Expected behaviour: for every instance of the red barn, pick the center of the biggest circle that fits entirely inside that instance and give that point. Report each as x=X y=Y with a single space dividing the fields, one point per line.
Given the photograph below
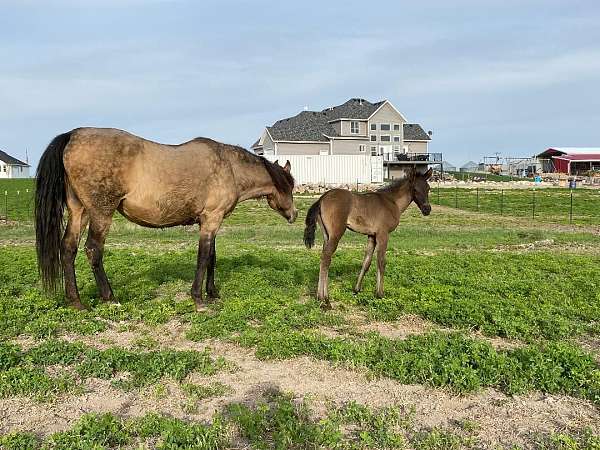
x=571 y=160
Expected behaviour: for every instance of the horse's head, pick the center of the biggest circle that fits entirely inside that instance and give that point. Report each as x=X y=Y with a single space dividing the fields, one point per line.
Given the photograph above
x=420 y=191
x=281 y=199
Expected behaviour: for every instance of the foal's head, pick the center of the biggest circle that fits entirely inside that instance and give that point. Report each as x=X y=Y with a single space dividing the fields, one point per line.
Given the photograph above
x=420 y=191
x=281 y=199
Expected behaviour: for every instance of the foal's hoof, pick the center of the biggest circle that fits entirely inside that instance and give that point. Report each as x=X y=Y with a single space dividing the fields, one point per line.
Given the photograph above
x=356 y=290
x=379 y=294
x=325 y=305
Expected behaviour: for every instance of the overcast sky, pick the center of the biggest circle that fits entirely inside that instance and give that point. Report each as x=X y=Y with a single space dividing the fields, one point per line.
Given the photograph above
x=486 y=76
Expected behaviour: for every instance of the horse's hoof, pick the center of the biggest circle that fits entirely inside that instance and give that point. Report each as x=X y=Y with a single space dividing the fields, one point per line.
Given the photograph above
x=214 y=295
x=379 y=294
x=356 y=291
x=78 y=306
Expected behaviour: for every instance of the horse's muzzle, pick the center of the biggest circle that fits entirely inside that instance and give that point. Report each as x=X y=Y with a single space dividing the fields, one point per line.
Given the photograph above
x=426 y=210
x=293 y=216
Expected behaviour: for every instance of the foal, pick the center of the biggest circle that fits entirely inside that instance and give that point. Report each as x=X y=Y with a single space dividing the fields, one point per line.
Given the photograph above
x=375 y=214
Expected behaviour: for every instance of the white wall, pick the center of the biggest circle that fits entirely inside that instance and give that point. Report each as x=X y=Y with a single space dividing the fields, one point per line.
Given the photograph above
x=334 y=169
x=7 y=171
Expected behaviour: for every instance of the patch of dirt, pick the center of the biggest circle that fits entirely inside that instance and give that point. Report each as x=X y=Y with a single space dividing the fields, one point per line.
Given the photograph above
x=411 y=324
x=591 y=344
x=501 y=419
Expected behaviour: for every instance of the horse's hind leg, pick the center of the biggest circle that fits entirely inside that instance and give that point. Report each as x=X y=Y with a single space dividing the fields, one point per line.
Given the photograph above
x=94 y=249
x=329 y=247
x=366 y=263
x=70 y=242
x=382 y=241
x=211 y=290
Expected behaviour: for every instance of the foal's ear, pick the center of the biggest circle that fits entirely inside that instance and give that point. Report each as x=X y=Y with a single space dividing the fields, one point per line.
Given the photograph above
x=276 y=162
x=287 y=166
x=428 y=173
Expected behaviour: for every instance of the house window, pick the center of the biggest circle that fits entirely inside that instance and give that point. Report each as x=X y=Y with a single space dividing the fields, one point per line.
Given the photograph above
x=4 y=168
x=354 y=127
x=385 y=127
x=396 y=138
x=373 y=126
x=396 y=127
x=362 y=148
x=396 y=149
x=373 y=138
x=373 y=150
x=385 y=138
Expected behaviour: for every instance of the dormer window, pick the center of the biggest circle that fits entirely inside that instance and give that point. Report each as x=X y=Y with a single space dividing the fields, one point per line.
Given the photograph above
x=354 y=127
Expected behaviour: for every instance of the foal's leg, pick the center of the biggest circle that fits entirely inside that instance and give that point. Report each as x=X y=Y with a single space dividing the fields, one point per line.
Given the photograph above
x=208 y=230
x=211 y=290
x=70 y=241
x=329 y=248
x=382 y=241
x=94 y=249
x=366 y=263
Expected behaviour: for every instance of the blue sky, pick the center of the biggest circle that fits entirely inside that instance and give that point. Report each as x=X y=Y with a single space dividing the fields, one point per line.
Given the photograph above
x=486 y=76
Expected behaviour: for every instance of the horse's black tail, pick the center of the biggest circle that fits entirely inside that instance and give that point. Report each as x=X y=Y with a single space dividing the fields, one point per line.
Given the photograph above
x=311 y=224
x=50 y=199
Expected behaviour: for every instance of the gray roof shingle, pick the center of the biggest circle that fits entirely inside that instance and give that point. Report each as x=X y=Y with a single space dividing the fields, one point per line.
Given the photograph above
x=6 y=158
x=315 y=126
x=414 y=132
x=355 y=108
x=306 y=126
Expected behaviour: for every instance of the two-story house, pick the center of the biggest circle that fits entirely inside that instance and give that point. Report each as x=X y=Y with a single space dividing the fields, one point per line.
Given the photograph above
x=353 y=128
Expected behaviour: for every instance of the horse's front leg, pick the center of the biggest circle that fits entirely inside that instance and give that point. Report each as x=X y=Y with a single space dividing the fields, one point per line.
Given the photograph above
x=208 y=230
x=211 y=290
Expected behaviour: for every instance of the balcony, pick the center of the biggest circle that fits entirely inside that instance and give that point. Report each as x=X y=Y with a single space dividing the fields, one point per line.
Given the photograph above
x=412 y=158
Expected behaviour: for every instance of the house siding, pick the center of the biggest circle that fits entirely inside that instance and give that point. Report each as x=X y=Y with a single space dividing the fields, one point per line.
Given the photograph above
x=386 y=114
x=416 y=147
x=268 y=145
x=345 y=128
x=350 y=146
x=289 y=148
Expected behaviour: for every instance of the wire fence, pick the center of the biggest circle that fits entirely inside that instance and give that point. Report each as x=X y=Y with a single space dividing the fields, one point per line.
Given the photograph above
x=16 y=205
x=574 y=206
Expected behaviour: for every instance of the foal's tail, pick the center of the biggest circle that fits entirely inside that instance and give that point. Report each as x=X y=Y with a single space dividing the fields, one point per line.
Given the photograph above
x=311 y=224
x=50 y=198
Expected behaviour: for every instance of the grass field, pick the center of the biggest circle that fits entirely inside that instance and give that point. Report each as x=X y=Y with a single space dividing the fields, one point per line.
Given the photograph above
x=488 y=336
x=547 y=205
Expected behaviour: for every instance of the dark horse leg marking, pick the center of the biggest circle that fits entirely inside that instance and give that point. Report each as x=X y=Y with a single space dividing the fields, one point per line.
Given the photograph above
x=366 y=263
x=94 y=249
x=70 y=241
x=208 y=230
x=211 y=290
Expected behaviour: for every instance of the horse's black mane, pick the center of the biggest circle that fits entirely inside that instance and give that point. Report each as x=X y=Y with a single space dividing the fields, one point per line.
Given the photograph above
x=395 y=185
x=283 y=180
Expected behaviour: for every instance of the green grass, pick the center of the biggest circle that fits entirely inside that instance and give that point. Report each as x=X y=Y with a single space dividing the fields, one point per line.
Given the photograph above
x=279 y=422
x=16 y=199
x=543 y=205
x=24 y=372
x=467 y=176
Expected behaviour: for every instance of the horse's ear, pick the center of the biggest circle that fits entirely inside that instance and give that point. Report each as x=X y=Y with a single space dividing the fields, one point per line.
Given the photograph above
x=276 y=162
x=428 y=173
x=288 y=166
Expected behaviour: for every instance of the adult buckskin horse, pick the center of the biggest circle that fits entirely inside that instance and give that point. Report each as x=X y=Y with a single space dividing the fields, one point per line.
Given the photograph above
x=97 y=171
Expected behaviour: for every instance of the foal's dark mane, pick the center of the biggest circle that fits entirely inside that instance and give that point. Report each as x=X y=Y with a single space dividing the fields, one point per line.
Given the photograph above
x=283 y=181
x=395 y=185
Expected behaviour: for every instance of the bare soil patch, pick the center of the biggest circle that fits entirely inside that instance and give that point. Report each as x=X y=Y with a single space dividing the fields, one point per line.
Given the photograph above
x=501 y=419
